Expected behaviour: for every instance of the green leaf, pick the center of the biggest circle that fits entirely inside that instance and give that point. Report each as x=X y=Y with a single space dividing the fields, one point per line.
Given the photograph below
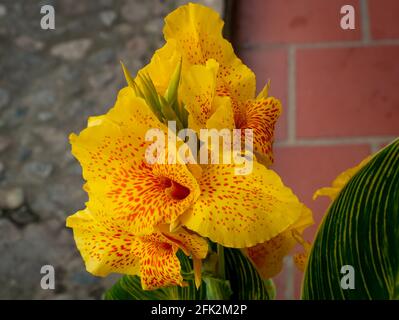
x=169 y=114
x=129 y=287
x=360 y=229
x=245 y=281
x=149 y=94
x=271 y=288
x=171 y=91
x=217 y=289
x=128 y=76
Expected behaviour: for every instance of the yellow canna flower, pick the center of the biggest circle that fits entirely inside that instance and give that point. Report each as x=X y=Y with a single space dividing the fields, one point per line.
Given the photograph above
x=233 y=210
x=340 y=182
x=140 y=214
x=211 y=70
x=107 y=247
x=268 y=256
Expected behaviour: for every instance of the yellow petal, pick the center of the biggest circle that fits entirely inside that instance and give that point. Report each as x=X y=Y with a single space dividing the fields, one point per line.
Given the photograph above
x=112 y=155
x=268 y=256
x=197 y=264
x=340 y=182
x=300 y=260
x=161 y=67
x=264 y=93
x=222 y=116
x=95 y=121
x=191 y=243
x=305 y=220
x=261 y=116
x=241 y=210
x=197 y=91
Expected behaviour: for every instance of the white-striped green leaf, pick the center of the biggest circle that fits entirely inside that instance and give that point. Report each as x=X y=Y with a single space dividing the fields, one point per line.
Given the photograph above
x=245 y=281
x=360 y=229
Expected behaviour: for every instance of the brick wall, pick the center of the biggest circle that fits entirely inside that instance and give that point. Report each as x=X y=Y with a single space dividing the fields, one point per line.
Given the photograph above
x=339 y=88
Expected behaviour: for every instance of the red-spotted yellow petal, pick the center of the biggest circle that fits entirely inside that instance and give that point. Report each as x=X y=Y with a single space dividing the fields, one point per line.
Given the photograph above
x=268 y=256
x=109 y=249
x=261 y=116
x=241 y=210
x=340 y=182
x=198 y=93
x=191 y=244
x=112 y=154
x=300 y=260
x=197 y=31
x=159 y=266
x=105 y=249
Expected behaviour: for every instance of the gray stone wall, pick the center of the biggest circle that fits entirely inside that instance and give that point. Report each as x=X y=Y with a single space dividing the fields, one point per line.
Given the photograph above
x=50 y=82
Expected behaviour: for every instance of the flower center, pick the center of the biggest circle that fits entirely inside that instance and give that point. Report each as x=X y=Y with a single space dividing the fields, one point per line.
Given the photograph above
x=175 y=189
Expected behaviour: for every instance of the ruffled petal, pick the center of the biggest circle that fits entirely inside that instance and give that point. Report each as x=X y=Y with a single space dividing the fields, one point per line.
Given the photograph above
x=110 y=249
x=197 y=31
x=268 y=256
x=241 y=210
x=104 y=249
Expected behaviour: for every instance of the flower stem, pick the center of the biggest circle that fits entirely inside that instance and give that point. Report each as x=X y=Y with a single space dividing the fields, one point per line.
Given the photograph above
x=221 y=262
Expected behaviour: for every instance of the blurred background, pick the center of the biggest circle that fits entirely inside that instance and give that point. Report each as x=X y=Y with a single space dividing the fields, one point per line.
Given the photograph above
x=338 y=88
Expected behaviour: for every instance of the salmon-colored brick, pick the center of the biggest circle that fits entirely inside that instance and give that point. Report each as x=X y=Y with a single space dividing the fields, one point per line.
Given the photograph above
x=384 y=19
x=282 y=282
x=317 y=167
x=306 y=169
x=293 y=21
x=271 y=64
x=347 y=92
x=288 y=283
x=298 y=276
